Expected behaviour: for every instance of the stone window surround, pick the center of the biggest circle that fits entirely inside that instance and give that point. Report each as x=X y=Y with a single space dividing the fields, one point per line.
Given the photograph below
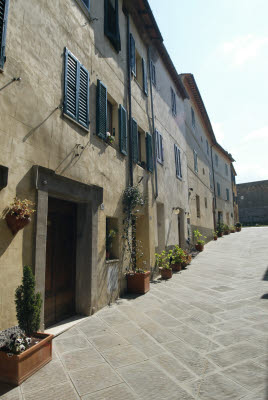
x=88 y=198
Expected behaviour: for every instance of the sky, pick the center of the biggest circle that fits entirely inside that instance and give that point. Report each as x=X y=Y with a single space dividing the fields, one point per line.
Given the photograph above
x=224 y=44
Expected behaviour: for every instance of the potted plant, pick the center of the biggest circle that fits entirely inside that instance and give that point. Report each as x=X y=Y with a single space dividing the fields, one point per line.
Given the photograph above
x=138 y=278
x=177 y=257
x=24 y=350
x=162 y=262
x=238 y=227
x=199 y=242
x=215 y=235
x=226 y=229
x=109 y=138
x=220 y=229
x=188 y=259
x=232 y=229
x=18 y=214
x=110 y=235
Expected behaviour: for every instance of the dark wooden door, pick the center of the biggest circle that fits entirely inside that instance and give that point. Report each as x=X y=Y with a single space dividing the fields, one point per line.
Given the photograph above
x=60 y=261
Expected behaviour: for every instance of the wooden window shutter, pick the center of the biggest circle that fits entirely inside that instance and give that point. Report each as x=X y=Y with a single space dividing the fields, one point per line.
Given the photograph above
x=162 y=148
x=135 y=147
x=149 y=152
x=101 y=110
x=76 y=90
x=176 y=158
x=83 y=102
x=132 y=54
x=123 y=130
x=3 y=29
x=145 y=83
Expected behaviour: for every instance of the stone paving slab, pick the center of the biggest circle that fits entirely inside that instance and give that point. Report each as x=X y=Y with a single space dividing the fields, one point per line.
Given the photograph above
x=202 y=335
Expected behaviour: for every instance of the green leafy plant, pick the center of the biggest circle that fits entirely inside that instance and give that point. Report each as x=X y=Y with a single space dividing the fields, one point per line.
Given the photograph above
x=109 y=138
x=238 y=225
x=162 y=260
x=198 y=237
x=28 y=303
x=132 y=199
x=110 y=235
x=215 y=233
x=220 y=227
x=177 y=255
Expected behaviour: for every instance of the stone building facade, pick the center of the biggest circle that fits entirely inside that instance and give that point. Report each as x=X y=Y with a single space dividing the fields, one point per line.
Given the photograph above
x=253 y=202
x=71 y=72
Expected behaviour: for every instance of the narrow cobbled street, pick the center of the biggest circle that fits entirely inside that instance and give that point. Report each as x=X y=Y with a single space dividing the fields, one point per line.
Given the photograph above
x=201 y=335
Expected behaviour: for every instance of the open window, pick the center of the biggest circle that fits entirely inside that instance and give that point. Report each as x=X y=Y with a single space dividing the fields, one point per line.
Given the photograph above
x=138 y=66
x=111 y=23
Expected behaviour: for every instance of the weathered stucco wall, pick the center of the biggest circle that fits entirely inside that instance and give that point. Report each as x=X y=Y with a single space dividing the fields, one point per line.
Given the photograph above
x=253 y=202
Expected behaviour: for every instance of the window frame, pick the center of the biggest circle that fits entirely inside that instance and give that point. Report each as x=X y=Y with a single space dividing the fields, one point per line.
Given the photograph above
x=173 y=102
x=198 y=210
x=178 y=168
x=153 y=73
x=113 y=36
x=218 y=189
x=227 y=194
x=159 y=147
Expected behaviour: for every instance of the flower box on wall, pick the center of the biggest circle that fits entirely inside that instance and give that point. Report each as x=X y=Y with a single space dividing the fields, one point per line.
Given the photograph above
x=16 y=368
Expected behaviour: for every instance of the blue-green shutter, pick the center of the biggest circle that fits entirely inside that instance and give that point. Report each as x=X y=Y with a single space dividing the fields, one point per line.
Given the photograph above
x=135 y=148
x=144 y=72
x=111 y=23
x=132 y=54
x=76 y=90
x=83 y=97
x=3 y=29
x=101 y=110
x=149 y=152
x=123 y=130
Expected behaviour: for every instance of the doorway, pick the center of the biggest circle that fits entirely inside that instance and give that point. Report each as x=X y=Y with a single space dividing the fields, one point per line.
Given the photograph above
x=60 y=278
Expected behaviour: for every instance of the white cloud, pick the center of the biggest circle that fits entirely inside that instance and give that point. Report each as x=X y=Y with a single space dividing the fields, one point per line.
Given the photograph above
x=251 y=172
x=243 y=48
x=261 y=133
x=218 y=131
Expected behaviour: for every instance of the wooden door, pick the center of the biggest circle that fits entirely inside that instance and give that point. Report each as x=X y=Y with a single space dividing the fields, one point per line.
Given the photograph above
x=60 y=261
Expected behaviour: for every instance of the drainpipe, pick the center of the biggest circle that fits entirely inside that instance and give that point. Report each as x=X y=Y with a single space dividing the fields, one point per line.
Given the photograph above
x=129 y=104
x=154 y=134
x=214 y=199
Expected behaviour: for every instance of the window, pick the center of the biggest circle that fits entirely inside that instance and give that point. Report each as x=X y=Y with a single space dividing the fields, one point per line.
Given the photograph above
x=159 y=147
x=138 y=66
x=220 y=216
x=84 y=4
x=207 y=147
x=76 y=90
x=203 y=171
x=149 y=152
x=218 y=189
x=206 y=202
x=197 y=206
x=111 y=23
x=195 y=162
x=173 y=102
x=138 y=150
x=216 y=160
x=3 y=30
x=110 y=118
x=178 y=161
x=210 y=180
x=123 y=142
x=153 y=74
x=142 y=148
x=193 y=118
x=87 y=3
x=112 y=239
x=226 y=170
x=227 y=195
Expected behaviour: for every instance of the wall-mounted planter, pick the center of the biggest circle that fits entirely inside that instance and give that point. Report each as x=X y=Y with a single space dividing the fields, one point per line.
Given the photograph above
x=16 y=224
x=138 y=283
x=17 y=368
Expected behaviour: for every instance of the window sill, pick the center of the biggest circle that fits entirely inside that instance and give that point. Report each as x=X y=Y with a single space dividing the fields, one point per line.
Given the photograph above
x=114 y=261
x=84 y=9
x=75 y=122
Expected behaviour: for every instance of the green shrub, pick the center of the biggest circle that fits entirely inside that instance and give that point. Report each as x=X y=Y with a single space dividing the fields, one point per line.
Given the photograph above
x=28 y=303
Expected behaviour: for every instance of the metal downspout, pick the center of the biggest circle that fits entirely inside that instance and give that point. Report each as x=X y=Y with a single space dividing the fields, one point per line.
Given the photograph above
x=214 y=200
x=130 y=105
x=154 y=134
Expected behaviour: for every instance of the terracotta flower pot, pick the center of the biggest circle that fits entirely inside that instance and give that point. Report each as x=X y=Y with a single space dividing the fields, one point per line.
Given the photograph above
x=215 y=238
x=166 y=273
x=220 y=234
x=184 y=265
x=199 y=247
x=15 y=369
x=16 y=224
x=238 y=229
x=176 y=267
x=226 y=232
x=232 y=231
x=138 y=283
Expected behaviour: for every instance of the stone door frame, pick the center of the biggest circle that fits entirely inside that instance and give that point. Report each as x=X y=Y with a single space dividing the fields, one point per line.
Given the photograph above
x=88 y=199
